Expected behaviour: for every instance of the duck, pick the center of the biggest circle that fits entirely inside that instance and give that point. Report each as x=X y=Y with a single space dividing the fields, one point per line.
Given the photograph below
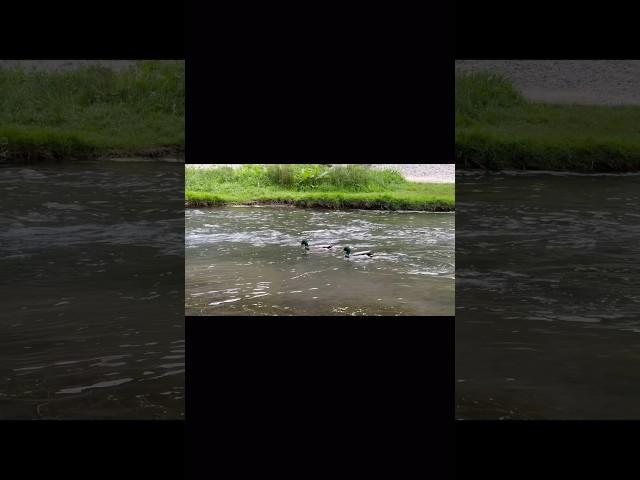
x=347 y=253
x=305 y=244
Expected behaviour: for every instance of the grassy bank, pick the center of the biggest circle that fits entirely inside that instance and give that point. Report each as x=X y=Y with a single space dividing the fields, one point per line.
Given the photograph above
x=497 y=128
x=307 y=185
x=92 y=111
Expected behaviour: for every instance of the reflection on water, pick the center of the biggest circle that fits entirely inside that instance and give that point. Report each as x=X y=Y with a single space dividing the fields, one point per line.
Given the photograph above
x=92 y=263
x=248 y=261
x=548 y=290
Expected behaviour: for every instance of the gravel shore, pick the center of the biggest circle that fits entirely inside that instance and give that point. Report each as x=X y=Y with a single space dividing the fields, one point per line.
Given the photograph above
x=414 y=172
x=595 y=82
x=422 y=172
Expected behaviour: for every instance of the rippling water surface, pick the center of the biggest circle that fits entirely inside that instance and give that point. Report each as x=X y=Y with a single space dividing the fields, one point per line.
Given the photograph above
x=92 y=276
x=548 y=295
x=248 y=261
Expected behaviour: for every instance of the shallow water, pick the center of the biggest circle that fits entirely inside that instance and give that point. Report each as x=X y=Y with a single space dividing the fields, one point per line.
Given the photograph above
x=248 y=261
x=92 y=274
x=548 y=295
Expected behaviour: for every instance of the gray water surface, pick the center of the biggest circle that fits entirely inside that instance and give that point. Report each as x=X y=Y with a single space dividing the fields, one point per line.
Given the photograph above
x=92 y=273
x=248 y=261
x=548 y=295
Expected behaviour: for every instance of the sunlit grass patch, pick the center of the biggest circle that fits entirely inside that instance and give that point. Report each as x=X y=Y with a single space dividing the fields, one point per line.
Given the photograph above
x=354 y=187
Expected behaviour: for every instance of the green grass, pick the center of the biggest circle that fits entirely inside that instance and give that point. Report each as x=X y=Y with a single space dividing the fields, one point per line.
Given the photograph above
x=312 y=185
x=92 y=111
x=496 y=128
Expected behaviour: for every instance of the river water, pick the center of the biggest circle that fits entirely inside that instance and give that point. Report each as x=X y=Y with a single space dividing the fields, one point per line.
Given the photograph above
x=92 y=275
x=548 y=295
x=248 y=261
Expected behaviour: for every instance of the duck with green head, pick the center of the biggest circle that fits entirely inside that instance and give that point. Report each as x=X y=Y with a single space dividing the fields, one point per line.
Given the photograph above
x=305 y=244
x=348 y=253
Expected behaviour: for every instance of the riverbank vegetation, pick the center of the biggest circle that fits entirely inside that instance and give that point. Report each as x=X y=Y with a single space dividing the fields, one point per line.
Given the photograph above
x=313 y=185
x=92 y=112
x=497 y=128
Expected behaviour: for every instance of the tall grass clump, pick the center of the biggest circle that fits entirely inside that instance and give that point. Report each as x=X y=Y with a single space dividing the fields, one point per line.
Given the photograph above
x=478 y=93
x=351 y=177
x=300 y=177
x=281 y=174
x=252 y=175
x=150 y=86
x=357 y=178
x=389 y=179
x=100 y=109
x=204 y=180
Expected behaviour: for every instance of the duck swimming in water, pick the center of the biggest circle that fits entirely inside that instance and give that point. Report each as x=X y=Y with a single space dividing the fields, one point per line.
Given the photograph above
x=305 y=244
x=347 y=253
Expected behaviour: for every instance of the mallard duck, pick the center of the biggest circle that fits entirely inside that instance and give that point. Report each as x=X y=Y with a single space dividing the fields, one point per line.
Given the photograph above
x=305 y=244
x=347 y=253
